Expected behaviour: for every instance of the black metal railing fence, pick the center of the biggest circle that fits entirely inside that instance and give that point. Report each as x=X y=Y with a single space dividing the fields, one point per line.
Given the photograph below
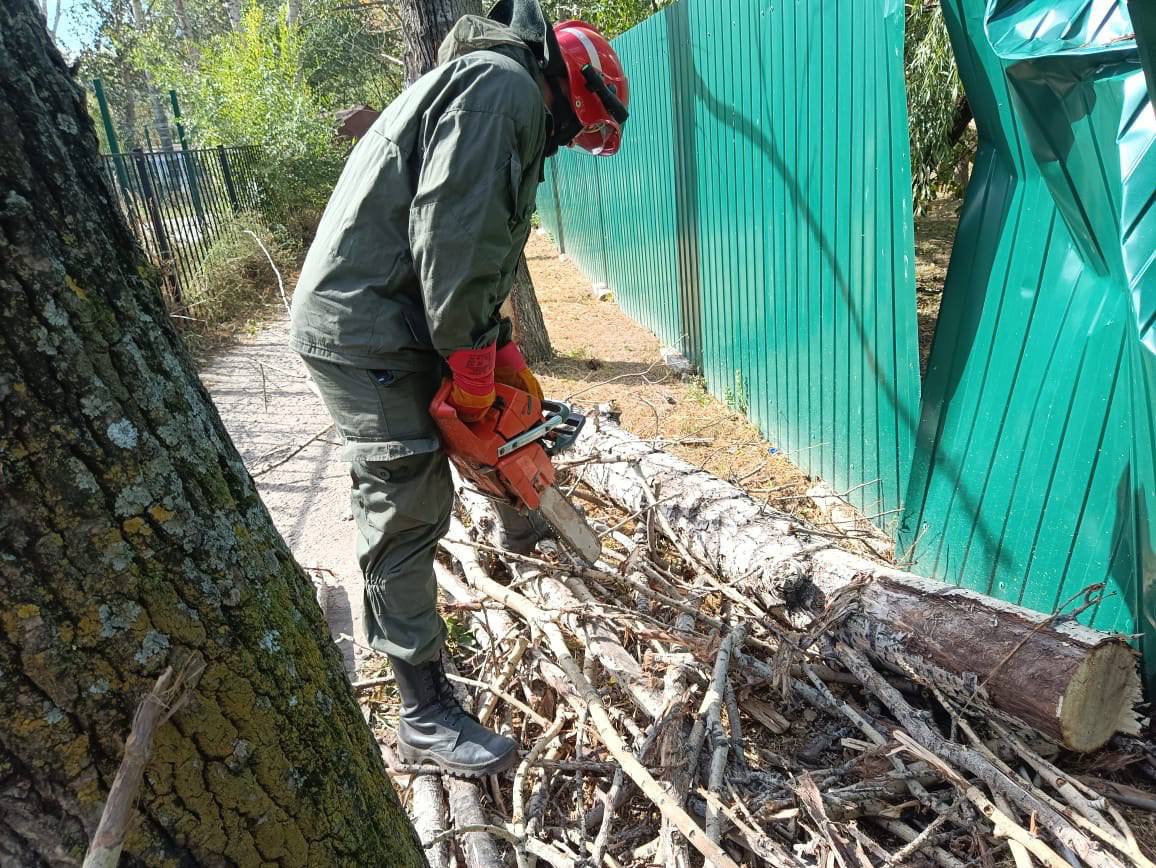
x=177 y=203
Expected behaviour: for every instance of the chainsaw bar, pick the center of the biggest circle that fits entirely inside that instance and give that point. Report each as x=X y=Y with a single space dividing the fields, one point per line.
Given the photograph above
x=569 y=524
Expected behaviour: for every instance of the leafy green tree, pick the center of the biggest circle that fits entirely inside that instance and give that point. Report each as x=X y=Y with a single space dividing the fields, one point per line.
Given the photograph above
x=351 y=53
x=612 y=17
x=938 y=112
x=264 y=72
x=247 y=88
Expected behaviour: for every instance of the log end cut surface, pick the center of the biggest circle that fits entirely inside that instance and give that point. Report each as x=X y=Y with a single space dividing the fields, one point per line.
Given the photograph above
x=1100 y=698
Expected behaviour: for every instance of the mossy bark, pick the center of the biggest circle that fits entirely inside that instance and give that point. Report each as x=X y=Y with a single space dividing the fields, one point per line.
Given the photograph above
x=132 y=538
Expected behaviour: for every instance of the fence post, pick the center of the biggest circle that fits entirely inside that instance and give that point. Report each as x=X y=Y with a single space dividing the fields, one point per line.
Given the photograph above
x=557 y=206
x=110 y=133
x=190 y=167
x=227 y=174
x=158 y=223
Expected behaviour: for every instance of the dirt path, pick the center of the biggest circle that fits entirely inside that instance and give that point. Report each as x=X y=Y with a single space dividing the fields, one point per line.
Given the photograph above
x=934 y=237
x=308 y=492
x=280 y=426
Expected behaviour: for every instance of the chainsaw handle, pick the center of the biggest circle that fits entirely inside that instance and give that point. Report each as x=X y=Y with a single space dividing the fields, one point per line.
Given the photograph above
x=519 y=476
x=474 y=441
x=563 y=435
x=513 y=412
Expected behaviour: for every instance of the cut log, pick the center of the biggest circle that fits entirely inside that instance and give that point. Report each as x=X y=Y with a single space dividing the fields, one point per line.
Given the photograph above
x=465 y=803
x=429 y=818
x=983 y=652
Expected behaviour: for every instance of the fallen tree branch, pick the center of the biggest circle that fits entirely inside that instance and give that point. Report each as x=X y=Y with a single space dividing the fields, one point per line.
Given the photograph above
x=944 y=755
x=518 y=821
x=587 y=698
x=273 y=265
x=285 y=460
x=429 y=811
x=1085 y=684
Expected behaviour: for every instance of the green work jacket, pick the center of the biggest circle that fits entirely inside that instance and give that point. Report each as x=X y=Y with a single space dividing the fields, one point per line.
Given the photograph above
x=416 y=250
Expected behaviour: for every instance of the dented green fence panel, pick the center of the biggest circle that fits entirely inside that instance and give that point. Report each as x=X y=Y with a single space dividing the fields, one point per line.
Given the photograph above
x=1034 y=469
x=759 y=217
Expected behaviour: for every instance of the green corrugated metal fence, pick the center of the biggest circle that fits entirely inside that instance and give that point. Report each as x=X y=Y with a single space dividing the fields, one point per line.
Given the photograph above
x=1034 y=466
x=759 y=217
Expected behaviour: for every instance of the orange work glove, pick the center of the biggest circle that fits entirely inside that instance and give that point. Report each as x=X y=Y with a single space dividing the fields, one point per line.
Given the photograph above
x=510 y=368
x=473 y=377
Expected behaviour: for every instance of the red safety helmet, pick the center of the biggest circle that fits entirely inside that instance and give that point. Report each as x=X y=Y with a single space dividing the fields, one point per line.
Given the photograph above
x=599 y=91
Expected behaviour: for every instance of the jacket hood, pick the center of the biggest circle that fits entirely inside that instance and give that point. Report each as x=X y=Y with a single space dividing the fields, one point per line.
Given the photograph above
x=474 y=33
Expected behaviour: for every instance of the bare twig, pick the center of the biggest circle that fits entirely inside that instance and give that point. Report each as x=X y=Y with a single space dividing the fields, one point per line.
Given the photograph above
x=280 y=282
x=934 y=749
x=915 y=844
x=171 y=691
x=370 y=683
x=503 y=695
x=586 y=697
x=503 y=677
x=294 y=453
x=519 y=817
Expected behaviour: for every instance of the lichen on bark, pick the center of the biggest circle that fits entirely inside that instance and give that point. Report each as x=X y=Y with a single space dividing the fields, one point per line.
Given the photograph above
x=132 y=538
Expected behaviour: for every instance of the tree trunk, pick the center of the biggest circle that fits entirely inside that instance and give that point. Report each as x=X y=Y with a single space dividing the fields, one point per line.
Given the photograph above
x=233 y=11
x=976 y=649
x=160 y=117
x=529 y=326
x=131 y=539
x=424 y=24
x=128 y=106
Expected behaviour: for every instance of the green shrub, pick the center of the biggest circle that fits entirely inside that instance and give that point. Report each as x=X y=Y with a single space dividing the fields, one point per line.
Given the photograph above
x=248 y=89
x=934 y=92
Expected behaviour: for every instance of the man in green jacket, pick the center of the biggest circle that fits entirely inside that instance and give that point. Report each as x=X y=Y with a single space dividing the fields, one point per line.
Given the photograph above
x=402 y=286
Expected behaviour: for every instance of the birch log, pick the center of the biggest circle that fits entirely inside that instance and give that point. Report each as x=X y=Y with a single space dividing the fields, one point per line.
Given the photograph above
x=429 y=818
x=1074 y=685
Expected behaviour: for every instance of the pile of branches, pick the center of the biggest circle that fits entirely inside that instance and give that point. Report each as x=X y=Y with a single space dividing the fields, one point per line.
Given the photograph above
x=667 y=718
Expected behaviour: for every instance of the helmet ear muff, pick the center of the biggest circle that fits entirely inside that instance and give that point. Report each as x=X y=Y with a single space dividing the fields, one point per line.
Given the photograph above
x=609 y=99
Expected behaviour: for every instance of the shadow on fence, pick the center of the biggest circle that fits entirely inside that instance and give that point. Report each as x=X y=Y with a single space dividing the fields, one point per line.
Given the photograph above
x=178 y=203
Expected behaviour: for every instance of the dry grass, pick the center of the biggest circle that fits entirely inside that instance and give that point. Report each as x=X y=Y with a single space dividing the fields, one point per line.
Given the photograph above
x=236 y=290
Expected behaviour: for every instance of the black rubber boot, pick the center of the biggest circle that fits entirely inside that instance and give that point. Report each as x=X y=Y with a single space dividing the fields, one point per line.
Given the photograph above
x=435 y=728
x=519 y=532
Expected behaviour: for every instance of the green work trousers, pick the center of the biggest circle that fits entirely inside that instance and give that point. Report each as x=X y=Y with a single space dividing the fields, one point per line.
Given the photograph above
x=402 y=498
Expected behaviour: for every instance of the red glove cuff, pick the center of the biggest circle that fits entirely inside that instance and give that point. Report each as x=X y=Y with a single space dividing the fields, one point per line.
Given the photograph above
x=510 y=357
x=473 y=370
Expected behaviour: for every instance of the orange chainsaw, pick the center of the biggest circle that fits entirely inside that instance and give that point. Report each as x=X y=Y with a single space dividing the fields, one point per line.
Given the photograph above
x=507 y=453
